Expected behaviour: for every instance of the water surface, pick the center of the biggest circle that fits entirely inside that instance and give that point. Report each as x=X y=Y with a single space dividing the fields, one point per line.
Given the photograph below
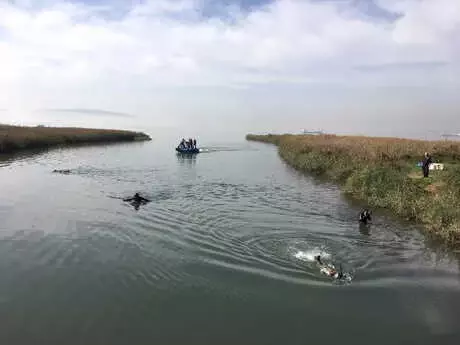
x=222 y=255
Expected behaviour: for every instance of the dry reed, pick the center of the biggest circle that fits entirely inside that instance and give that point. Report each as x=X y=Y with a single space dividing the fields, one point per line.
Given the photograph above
x=15 y=138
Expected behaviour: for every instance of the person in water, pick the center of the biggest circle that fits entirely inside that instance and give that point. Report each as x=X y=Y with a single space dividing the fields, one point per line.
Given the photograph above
x=329 y=270
x=62 y=171
x=137 y=199
x=318 y=259
x=365 y=216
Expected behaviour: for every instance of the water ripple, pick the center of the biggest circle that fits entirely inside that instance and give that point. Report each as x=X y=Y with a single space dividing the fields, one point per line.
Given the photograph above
x=270 y=227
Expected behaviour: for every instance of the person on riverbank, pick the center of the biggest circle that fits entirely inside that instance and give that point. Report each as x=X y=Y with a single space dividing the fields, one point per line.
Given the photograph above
x=427 y=160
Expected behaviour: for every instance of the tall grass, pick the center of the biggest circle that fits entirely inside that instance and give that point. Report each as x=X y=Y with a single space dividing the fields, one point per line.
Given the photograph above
x=383 y=173
x=15 y=138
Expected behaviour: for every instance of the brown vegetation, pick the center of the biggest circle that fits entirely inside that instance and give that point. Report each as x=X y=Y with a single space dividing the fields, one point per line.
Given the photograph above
x=15 y=138
x=367 y=149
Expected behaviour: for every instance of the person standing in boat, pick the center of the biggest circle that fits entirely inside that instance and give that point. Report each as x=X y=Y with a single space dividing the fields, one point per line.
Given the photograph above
x=194 y=143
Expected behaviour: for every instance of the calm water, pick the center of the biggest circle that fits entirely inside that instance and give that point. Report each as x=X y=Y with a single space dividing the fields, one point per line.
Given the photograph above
x=222 y=255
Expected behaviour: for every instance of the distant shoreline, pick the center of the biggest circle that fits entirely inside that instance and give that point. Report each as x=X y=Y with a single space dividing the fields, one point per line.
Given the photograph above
x=17 y=138
x=383 y=172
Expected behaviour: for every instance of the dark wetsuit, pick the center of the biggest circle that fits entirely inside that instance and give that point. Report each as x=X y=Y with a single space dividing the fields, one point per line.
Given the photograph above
x=365 y=216
x=318 y=259
x=59 y=171
x=137 y=198
x=137 y=201
x=426 y=165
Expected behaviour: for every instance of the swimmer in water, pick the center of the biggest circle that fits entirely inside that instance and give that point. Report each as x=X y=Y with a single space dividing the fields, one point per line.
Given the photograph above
x=62 y=171
x=137 y=201
x=329 y=270
x=332 y=272
x=137 y=198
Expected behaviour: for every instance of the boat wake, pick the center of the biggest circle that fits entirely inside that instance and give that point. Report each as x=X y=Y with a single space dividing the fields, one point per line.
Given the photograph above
x=223 y=149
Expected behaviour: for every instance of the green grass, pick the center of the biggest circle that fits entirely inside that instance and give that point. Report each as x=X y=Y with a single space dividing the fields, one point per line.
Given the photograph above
x=383 y=173
x=17 y=138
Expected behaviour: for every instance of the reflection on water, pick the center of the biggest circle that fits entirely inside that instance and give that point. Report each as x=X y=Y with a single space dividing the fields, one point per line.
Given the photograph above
x=223 y=253
x=186 y=159
x=364 y=229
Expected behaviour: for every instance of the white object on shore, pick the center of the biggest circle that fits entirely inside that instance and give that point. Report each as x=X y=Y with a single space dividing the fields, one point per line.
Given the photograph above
x=436 y=166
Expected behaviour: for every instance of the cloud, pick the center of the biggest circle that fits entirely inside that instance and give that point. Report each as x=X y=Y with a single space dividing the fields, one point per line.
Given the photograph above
x=168 y=42
x=403 y=66
x=97 y=112
x=140 y=58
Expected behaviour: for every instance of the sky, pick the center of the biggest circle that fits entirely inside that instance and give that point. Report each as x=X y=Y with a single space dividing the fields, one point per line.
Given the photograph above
x=224 y=68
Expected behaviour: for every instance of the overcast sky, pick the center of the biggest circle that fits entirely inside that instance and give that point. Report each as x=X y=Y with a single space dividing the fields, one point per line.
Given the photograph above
x=227 y=67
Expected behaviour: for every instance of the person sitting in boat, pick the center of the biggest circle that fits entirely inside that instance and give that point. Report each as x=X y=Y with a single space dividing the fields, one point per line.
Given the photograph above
x=365 y=216
x=182 y=144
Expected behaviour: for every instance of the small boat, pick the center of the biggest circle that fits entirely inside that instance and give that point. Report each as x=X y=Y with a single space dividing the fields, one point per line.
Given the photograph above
x=188 y=151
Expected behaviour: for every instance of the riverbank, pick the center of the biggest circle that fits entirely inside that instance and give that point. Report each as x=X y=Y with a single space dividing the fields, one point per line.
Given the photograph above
x=383 y=173
x=17 y=138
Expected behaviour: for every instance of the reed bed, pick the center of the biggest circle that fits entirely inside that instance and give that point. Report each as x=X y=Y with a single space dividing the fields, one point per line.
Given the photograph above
x=16 y=138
